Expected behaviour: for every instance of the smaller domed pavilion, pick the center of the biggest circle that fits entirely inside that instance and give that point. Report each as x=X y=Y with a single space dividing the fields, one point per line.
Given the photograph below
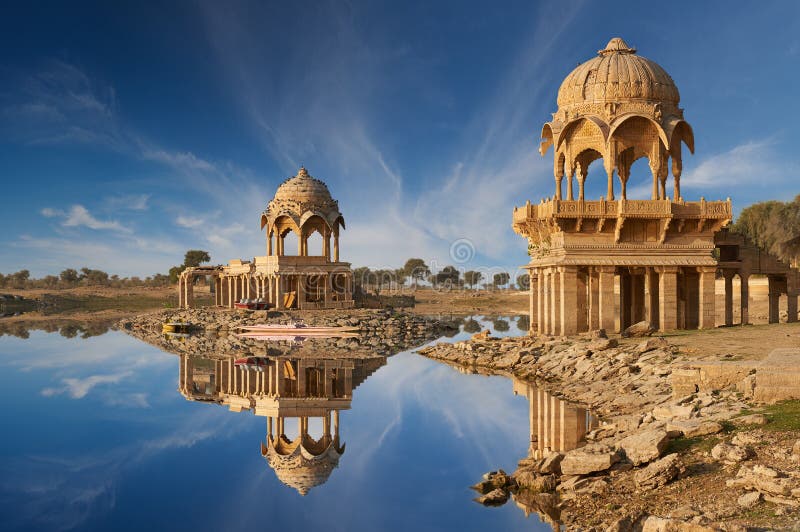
x=302 y=205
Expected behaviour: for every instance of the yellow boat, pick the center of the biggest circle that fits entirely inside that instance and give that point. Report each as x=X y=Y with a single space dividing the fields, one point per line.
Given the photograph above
x=176 y=327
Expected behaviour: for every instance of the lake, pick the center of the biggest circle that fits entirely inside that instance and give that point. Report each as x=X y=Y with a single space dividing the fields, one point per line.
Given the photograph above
x=105 y=432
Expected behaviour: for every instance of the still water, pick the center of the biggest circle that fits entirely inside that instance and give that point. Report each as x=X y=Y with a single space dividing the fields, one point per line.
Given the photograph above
x=105 y=432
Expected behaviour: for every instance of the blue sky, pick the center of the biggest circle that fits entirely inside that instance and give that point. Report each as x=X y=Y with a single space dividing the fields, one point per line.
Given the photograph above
x=130 y=133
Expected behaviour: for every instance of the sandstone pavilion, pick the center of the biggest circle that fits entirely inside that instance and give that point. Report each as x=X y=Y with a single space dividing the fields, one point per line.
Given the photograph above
x=612 y=262
x=302 y=205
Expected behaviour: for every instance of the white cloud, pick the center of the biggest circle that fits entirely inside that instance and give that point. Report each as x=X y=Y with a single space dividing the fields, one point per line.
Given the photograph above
x=189 y=221
x=130 y=202
x=78 y=216
x=78 y=388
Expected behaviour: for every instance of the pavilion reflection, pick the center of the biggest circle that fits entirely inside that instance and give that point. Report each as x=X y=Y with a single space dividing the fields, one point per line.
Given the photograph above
x=555 y=426
x=310 y=390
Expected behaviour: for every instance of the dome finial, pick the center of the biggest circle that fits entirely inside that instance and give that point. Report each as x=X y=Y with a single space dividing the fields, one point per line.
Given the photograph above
x=302 y=171
x=617 y=46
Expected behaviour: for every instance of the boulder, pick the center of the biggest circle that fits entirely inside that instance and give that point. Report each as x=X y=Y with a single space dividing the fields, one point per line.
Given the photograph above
x=748 y=500
x=660 y=524
x=586 y=461
x=495 y=497
x=598 y=333
x=530 y=480
x=551 y=464
x=763 y=479
x=644 y=446
x=796 y=449
x=660 y=472
x=672 y=412
x=659 y=342
x=637 y=330
x=601 y=344
x=752 y=419
x=691 y=428
x=731 y=453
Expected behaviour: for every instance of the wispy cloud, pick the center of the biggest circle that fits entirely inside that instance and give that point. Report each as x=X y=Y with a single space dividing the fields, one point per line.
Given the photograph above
x=78 y=388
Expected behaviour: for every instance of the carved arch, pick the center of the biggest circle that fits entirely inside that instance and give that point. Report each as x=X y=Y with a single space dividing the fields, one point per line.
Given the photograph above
x=621 y=121
x=546 y=139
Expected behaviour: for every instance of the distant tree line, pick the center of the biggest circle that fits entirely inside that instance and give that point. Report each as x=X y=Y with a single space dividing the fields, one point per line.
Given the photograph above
x=415 y=270
x=71 y=278
x=774 y=226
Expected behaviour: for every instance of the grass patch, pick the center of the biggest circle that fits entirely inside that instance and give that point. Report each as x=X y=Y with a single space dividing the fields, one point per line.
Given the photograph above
x=783 y=416
x=698 y=443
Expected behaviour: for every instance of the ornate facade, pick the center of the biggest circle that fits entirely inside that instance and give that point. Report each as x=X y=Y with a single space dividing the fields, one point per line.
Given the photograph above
x=302 y=205
x=611 y=262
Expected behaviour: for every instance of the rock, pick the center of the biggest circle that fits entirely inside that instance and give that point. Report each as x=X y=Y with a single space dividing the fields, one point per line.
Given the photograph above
x=671 y=412
x=552 y=464
x=585 y=461
x=599 y=334
x=495 y=497
x=796 y=449
x=601 y=344
x=752 y=419
x=660 y=472
x=731 y=453
x=691 y=428
x=745 y=439
x=644 y=446
x=483 y=487
x=658 y=342
x=507 y=361
x=640 y=329
x=659 y=524
x=530 y=480
x=620 y=525
x=762 y=479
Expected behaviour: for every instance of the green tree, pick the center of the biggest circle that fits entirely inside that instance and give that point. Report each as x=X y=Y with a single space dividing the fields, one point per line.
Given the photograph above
x=524 y=281
x=500 y=279
x=472 y=277
x=449 y=275
x=20 y=279
x=416 y=269
x=471 y=326
x=69 y=277
x=175 y=272
x=501 y=325
x=773 y=226
x=196 y=257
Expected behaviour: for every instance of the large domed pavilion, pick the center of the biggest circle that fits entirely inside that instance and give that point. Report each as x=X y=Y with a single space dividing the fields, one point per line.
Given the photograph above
x=619 y=107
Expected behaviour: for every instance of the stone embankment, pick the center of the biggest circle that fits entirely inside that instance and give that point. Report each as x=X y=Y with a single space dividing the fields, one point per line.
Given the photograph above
x=380 y=332
x=657 y=461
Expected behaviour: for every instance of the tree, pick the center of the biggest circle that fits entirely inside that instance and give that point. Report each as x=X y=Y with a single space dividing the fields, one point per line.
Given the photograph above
x=524 y=281
x=449 y=275
x=471 y=326
x=501 y=325
x=20 y=278
x=175 y=272
x=773 y=226
x=195 y=257
x=416 y=269
x=472 y=277
x=69 y=277
x=400 y=277
x=500 y=279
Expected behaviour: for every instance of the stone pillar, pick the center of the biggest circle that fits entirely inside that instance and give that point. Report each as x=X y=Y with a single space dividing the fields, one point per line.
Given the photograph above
x=269 y=243
x=555 y=302
x=668 y=298
x=624 y=299
x=728 y=275
x=533 y=307
x=544 y=301
x=336 y=254
x=706 y=305
x=180 y=292
x=774 y=299
x=652 y=301
x=278 y=292
x=744 y=291
x=582 y=301
x=605 y=287
x=594 y=299
x=568 y=300
x=791 y=292
x=637 y=298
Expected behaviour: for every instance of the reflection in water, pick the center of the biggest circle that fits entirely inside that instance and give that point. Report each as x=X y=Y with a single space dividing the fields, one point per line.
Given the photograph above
x=555 y=426
x=279 y=388
x=68 y=328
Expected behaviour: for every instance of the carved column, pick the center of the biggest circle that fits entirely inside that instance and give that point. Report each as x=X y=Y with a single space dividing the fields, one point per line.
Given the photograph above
x=706 y=303
x=568 y=300
x=582 y=301
x=269 y=243
x=581 y=181
x=774 y=299
x=791 y=292
x=570 y=174
x=533 y=288
x=668 y=298
x=594 y=300
x=651 y=280
x=543 y=288
x=676 y=172
x=728 y=276
x=744 y=296
x=336 y=246
x=555 y=304
x=605 y=277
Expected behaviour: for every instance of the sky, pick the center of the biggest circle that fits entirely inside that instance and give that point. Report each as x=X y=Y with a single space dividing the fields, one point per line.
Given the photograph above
x=131 y=132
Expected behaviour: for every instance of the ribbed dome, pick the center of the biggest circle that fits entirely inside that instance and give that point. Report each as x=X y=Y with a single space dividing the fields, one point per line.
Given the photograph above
x=304 y=189
x=617 y=74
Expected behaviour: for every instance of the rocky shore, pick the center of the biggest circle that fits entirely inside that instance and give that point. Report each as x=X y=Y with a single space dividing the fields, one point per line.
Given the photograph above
x=658 y=461
x=380 y=332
